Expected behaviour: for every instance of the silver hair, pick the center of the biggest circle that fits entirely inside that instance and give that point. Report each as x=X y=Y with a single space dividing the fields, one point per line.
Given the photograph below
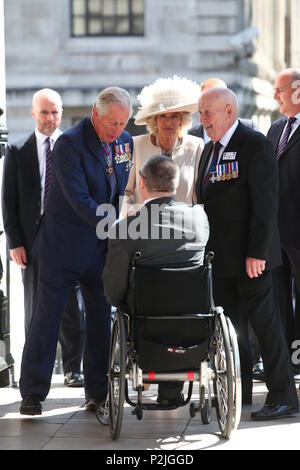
x=161 y=174
x=186 y=123
x=114 y=95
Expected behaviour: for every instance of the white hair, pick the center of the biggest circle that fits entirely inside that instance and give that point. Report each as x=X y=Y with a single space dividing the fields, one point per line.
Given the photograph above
x=110 y=95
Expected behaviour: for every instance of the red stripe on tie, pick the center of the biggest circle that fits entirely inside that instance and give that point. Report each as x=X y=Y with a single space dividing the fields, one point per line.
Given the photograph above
x=151 y=375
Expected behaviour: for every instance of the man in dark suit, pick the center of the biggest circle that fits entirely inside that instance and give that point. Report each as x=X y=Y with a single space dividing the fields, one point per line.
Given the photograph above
x=238 y=184
x=285 y=137
x=182 y=247
x=198 y=130
x=90 y=168
x=23 y=203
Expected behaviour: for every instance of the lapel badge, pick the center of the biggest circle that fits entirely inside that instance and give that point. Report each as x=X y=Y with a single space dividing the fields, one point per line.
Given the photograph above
x=229 y=156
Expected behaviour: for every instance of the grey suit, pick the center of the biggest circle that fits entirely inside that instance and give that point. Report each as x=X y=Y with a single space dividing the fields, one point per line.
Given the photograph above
x=183 y=247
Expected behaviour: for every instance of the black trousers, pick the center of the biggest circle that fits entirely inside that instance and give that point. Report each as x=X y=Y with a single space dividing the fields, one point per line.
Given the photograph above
x=246 y=299
x=288 y=283
x=71 y=335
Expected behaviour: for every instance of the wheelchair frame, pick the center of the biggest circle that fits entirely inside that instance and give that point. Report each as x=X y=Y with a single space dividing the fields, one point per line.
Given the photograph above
x=218 y=375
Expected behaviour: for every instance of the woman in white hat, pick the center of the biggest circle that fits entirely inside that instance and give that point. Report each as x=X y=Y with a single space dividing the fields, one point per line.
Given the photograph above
x=166 y=109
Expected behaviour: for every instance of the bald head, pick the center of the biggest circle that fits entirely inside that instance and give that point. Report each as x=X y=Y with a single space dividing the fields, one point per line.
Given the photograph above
x=211 y=83
x=218 y=108
x=287 y=91
x=46 y=110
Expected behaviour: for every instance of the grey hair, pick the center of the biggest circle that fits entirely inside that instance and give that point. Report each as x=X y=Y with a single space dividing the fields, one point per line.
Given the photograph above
x=114 y=95
x=161 y=174
x=186 y=123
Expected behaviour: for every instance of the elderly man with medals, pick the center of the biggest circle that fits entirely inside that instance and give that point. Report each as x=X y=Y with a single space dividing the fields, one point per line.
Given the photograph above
x=89 y=168
x=242 y=213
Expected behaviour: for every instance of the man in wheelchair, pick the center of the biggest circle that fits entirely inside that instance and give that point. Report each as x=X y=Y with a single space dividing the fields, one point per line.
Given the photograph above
x=165 y=233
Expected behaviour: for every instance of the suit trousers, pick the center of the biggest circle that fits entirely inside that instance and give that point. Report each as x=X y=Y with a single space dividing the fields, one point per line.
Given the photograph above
x=246 y=299
x=54 y=286
x=288 y=284
x=71 y=335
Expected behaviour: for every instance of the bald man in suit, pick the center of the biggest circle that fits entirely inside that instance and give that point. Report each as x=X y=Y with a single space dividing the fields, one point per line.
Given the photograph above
x=238 y=185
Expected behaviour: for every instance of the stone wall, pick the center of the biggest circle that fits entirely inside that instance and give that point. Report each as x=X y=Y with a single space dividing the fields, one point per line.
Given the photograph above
x=192 y=38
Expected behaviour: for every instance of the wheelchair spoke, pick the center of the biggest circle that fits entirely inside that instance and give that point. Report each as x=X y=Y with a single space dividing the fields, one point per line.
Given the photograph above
x=224 y=376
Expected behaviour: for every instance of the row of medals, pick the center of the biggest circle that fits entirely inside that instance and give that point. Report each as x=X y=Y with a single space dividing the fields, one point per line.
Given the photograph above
x=122 y=154
x=225 y=172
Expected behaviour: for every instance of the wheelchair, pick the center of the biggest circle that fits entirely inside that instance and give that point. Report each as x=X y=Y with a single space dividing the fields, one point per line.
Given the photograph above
x=172 y=331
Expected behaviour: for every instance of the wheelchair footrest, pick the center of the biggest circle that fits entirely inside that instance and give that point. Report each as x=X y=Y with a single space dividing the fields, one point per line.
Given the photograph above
x=156 y=406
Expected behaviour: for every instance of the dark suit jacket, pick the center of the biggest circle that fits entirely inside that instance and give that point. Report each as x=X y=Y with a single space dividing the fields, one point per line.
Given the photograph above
x=289 y=185
x=79 y=184
x=242 y=212
x=184 y=247
x=198 y=130
x=21 y=193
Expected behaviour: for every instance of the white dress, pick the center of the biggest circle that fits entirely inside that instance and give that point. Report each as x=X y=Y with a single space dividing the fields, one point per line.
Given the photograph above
x=187 y=156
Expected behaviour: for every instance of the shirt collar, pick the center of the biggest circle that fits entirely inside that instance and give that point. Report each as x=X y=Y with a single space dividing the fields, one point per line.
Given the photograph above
x=42 y=137
x=297 y=116
x=226 y=138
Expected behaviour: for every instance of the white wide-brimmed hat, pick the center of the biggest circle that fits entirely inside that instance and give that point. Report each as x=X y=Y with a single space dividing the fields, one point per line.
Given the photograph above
x=167 y=95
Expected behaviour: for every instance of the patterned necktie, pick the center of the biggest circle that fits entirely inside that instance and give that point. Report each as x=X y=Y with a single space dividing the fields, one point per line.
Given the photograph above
x=48 y=169
x=110 y=171
x=212 y=166
x=285 y=137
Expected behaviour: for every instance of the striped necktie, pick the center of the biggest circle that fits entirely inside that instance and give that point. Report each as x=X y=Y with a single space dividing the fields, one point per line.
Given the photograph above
x=285 y=137
x=48 y=169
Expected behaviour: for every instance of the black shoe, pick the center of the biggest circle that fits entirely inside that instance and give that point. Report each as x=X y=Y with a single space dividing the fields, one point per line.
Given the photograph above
x=92 y=404
x=74 y=379
x=269 y=412
x=31 y=405
x=168 y=402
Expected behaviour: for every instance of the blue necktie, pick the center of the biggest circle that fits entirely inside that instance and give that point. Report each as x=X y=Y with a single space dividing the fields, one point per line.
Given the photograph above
x=212 y=166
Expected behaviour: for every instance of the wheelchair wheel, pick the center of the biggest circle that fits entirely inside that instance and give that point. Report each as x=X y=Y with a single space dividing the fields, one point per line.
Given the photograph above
x=223 y=382
x=237 y=381
x=117 y=369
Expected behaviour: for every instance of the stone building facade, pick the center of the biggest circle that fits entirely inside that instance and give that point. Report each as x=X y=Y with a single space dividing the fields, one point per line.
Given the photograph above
x=79 y=47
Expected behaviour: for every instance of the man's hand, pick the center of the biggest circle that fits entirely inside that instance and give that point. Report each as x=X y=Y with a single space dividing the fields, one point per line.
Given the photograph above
x=18 y=255
x=255 y=267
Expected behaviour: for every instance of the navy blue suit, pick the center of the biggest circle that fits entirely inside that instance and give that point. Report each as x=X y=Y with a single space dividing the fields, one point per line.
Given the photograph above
x=70 y=251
